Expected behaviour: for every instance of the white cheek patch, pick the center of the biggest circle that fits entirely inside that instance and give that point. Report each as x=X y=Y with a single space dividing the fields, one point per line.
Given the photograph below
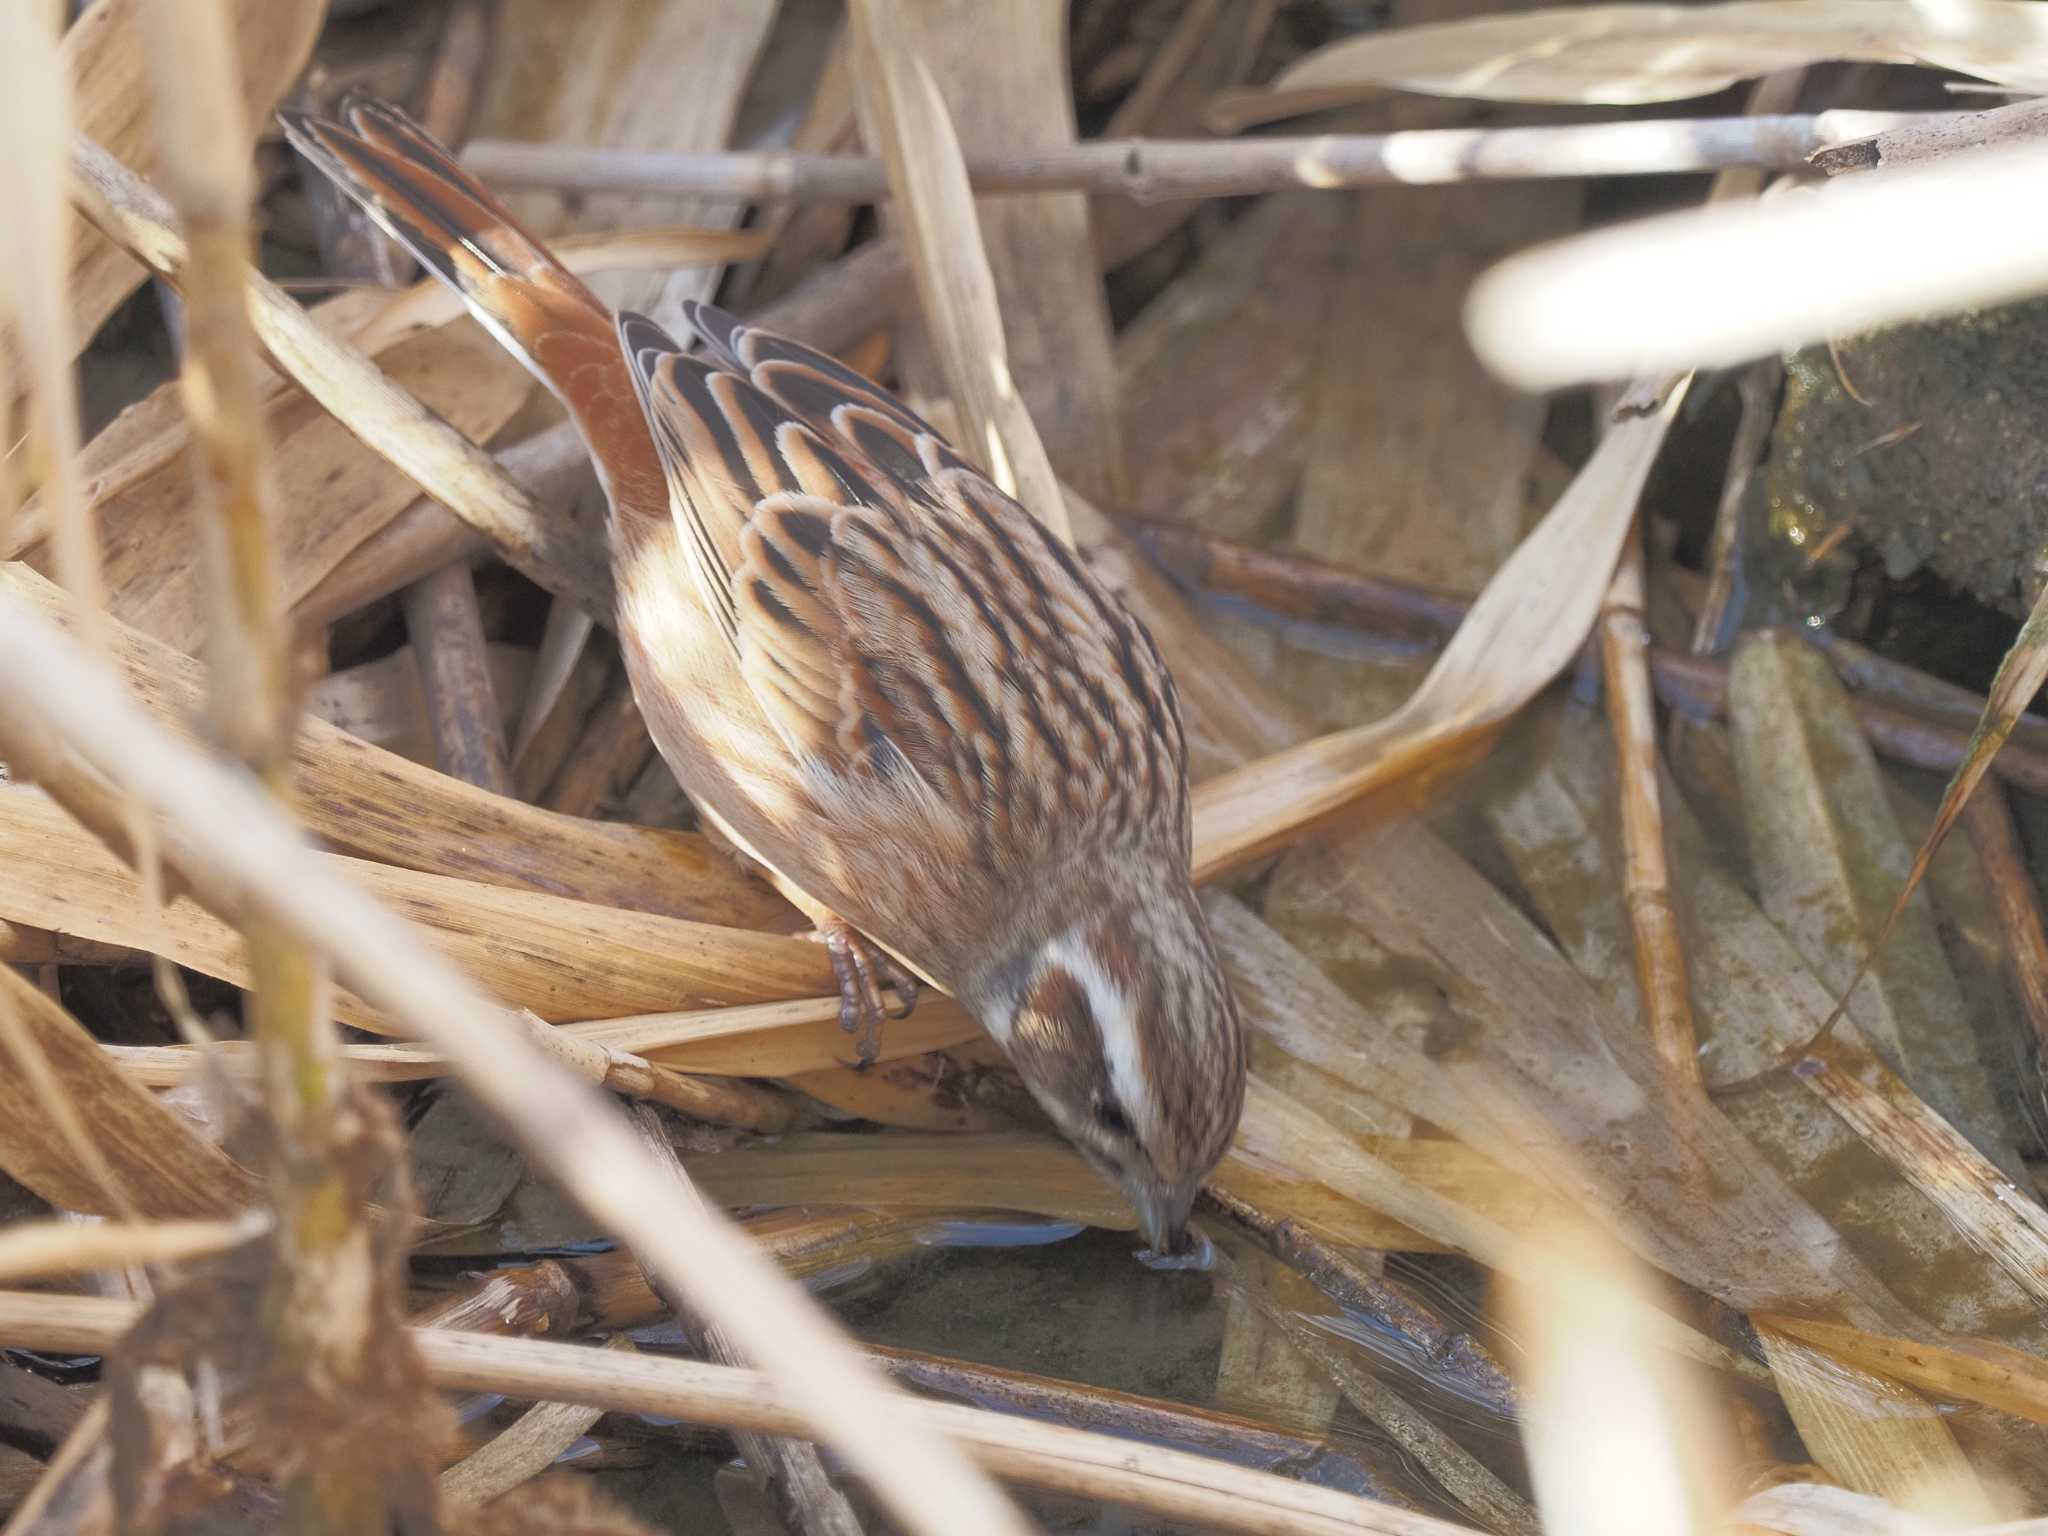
x=1117 y=1026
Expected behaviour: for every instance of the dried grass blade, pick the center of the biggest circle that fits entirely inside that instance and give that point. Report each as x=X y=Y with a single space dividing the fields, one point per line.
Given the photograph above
x=234 y=844
x=1523 y=630
x=1874 y=1436
x=955 y=286
x=1971 y=1370
x=2020 y=676
x=1629 y=55
x=156 y=1161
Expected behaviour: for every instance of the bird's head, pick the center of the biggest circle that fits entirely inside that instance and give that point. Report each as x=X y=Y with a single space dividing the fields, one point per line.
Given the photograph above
x=1123 y=1027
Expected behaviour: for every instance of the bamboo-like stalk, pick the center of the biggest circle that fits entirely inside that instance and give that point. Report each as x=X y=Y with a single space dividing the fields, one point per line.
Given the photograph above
x=1989 y=821
x=243 y=855
x=1173 y=1484
x=1661 y=974
x=328 y=1308
x=1154 y=170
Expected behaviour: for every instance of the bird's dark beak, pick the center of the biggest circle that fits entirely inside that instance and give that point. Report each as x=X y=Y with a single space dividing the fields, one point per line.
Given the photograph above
x=1163 y=1221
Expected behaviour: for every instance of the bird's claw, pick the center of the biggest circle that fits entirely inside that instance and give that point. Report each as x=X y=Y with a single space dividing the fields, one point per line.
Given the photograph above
x=862 y=971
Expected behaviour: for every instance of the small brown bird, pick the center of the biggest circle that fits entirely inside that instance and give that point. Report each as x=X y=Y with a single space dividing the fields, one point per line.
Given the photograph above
x=882 y=677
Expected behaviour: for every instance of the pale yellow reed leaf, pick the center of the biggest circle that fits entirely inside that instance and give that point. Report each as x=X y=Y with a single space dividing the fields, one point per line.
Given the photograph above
x=1525 y=628
x=40 y=1250
x=1624 y=55
x=230 y=841
x=1716 y=286
x=1970 y=1370
x=928 y=181
x=1873 y=1435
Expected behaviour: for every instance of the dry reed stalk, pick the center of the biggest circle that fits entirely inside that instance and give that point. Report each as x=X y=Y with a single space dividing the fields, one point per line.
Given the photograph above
x=524 y=1449
x=1210 y=49
x=999 y=67
x=1276 y=1295
x=748 y=1040
x=373 y=803
x=613 y=742
x=906 y=113
x=38 y=1250
x=919 y=1093
x=1300 y=586
x=787 y=1470
x=1989 y=821
x=1510 y=647
x=447 y=634
x=1153 y=170
x=1661 y=977
x=1340 y=1275
x=329 y=1299
x=1966 y=1369
x=2000 y=1219
x=245 y=857
x=1347 y=1167
x=382 y=701
x=1913 y=143
x=1172 y=1484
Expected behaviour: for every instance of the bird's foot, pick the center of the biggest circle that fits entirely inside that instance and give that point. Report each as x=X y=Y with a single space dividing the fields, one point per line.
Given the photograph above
x=863 y=969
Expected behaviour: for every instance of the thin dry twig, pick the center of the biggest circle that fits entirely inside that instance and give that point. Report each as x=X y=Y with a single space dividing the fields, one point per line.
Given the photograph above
x=252 y=860
x=1989 y=821
x=1169 y=1483
x=1661 y=975
x=1935 y=137
x=1156 y=170
x=40 y=1250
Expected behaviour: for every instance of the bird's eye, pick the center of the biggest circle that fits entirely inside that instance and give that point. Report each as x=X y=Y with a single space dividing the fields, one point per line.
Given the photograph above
x=1110 y=1116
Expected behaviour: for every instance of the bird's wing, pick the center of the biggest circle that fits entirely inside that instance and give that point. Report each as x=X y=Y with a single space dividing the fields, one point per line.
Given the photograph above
x=900 y=618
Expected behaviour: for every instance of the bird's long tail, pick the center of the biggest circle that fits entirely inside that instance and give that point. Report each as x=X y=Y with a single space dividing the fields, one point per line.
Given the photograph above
x=415 y=190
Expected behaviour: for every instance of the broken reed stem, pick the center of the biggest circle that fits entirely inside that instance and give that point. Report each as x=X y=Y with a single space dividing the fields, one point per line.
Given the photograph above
x=1301 y=587
x=1212 y=1494
x=2018 y=905
x=321 y=1314
x=243 y=856
x=1154 y=170
x=1933 y=137
x=787 y=1470
x=447 y=633
x=1476 y=1375
x=1757 y=387
x=1661 y=975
